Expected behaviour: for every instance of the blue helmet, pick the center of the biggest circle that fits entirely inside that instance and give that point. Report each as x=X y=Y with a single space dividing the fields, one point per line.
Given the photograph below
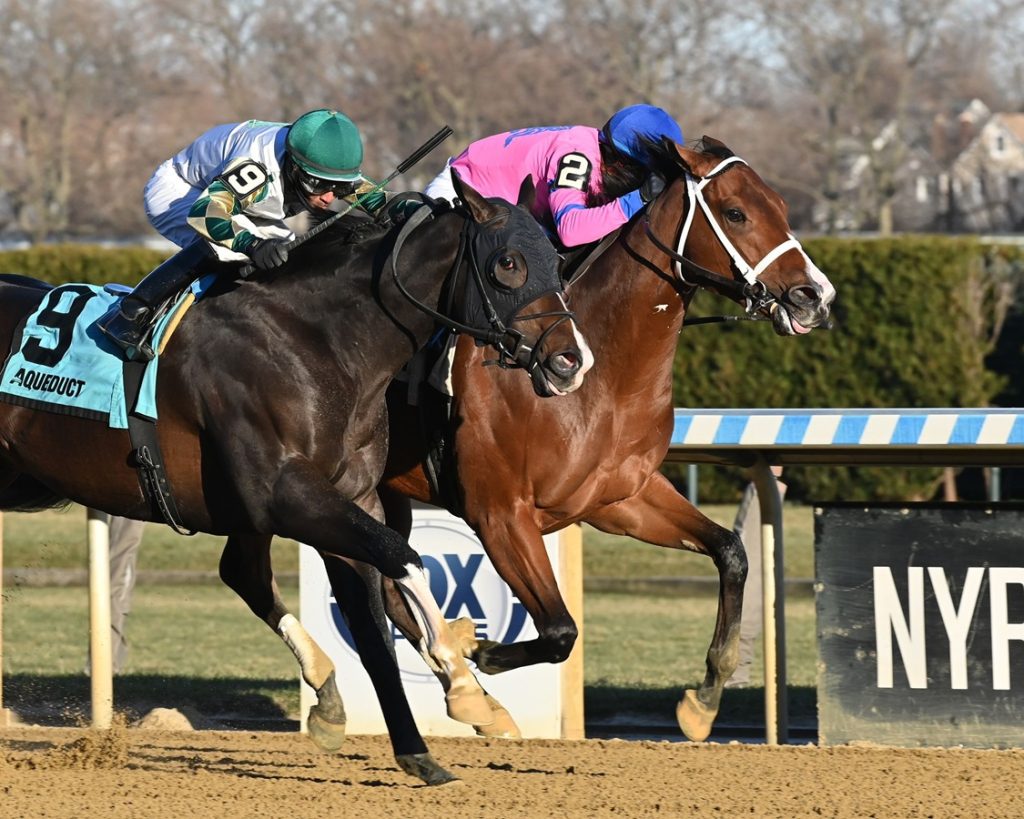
x=627 y=129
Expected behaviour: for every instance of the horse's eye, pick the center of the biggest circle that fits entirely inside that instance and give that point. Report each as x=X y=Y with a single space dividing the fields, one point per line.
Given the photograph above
x=508 y=270
x=735 y=215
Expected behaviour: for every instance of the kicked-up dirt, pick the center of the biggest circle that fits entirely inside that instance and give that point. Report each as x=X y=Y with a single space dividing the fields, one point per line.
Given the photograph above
x=178 y=774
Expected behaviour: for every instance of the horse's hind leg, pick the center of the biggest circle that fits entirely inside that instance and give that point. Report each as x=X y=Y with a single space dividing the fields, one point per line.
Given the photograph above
x=356 y=589
x=660 y=515
x=398 y=514
x=309 y=509
x=245 y=567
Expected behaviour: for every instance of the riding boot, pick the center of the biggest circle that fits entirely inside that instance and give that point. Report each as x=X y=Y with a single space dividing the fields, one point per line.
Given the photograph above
x=128 y=321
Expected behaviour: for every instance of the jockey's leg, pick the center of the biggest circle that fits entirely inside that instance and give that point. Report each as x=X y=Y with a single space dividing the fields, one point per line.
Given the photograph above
x=128 y=321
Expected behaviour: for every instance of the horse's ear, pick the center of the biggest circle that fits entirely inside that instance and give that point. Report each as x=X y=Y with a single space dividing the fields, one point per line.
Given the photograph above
x=481 y=210
x=699 y=159
x=686 y=157
x=716 y=147
x=527 y=193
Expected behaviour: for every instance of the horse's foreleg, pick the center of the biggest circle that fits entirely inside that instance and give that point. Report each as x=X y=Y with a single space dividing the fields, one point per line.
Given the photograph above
x=398 y=515
x=658 y=514
x=467 y=701
x=516 y=548
x=501 y=725
x=356 y=589
x=309 y=509
x=246 y=568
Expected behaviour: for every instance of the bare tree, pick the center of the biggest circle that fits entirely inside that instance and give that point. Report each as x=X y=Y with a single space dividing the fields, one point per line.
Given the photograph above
x=47 y=66
x=690 y=57
x=856 y=71
x=421 y=65
x=75 y=97
x=807 y=90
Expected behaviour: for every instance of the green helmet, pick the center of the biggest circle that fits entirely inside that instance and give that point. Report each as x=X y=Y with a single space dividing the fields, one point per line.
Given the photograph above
x=326 y=144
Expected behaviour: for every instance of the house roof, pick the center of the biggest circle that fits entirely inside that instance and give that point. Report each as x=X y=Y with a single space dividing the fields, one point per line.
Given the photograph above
x=1014 y=124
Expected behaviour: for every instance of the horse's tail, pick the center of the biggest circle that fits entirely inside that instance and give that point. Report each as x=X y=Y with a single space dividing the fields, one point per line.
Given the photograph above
x=26 y=494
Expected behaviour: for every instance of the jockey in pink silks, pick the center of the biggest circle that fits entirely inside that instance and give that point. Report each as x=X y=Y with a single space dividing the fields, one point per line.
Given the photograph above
x=589 y=181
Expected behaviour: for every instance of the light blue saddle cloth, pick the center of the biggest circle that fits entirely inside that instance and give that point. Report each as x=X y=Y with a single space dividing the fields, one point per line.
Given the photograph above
x=64 y=364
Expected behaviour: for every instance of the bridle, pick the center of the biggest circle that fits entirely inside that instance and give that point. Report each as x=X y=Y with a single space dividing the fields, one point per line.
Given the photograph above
x=513 y=351
x=751 y=290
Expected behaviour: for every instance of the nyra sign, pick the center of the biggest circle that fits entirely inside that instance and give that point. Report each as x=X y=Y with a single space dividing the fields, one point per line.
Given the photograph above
x=921 y=624
x=961 y=621
x=465 y=585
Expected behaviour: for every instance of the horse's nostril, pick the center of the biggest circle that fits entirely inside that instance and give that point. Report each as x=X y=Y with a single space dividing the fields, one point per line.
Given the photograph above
x=803 y=296
x=565 y=364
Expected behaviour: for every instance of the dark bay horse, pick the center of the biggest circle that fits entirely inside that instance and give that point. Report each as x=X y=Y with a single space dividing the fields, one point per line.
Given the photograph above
x=273 y=421
x=594 y=456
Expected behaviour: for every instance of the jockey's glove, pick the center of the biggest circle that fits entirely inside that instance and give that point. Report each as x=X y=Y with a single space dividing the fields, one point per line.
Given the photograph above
x=267 y=254
x=400 y=210
x=651 y=187
x=373 y=202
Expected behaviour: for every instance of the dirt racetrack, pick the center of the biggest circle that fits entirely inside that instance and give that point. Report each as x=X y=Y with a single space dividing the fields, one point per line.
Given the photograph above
x=62 y=772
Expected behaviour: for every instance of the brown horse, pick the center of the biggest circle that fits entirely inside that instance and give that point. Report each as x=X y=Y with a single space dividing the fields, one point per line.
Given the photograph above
x=594 y=456
x=273 y=419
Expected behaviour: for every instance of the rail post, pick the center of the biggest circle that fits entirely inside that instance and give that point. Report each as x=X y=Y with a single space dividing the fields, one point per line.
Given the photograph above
x=100 y=652
x=5 y=714
x=776 y=711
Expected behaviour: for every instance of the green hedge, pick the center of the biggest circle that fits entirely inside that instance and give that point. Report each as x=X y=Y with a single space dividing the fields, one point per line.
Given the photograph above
x=916 y=323
x=92 y=264
x=915 y=319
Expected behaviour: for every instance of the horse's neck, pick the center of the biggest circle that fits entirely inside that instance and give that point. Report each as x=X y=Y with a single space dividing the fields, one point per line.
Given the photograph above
x=630 y=313
x=355 y=295
x=424 y=264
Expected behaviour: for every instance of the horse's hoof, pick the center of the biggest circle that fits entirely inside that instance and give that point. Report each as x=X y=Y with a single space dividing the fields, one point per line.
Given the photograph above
x=464 y=632
x=426 y=768
x=694 y=717
x=327 y=736
x=503 y=726
x=470 y=708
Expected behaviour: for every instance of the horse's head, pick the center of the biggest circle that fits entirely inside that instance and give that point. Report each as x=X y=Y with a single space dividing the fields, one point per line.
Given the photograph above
x=734 y=237
x=513 y=297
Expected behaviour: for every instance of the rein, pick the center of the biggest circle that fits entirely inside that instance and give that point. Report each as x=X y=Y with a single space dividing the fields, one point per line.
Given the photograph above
x=751 y=289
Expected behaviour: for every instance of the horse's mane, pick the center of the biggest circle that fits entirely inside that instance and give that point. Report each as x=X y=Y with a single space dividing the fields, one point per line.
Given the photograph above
x=329 y=249
x=355 y=232
x=619 y=175
x=351 y=229
x=358 y=227
x=665 y=162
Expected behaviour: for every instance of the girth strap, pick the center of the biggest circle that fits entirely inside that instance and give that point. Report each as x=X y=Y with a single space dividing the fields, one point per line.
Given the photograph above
x=146 y=454
x=435 y=416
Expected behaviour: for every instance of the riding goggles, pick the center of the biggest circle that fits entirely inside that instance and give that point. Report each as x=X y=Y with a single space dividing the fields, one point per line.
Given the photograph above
x=317 y=186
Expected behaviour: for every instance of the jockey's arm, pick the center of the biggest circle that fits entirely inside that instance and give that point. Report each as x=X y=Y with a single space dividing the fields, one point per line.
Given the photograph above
x=242 y=184
x=576 y=223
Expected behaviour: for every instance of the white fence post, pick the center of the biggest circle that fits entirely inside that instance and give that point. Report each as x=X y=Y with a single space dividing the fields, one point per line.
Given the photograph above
x=776 y=712
x=100 y=651
x=5 y=715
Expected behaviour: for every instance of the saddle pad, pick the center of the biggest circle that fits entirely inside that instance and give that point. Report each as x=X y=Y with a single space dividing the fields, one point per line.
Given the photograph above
x=62 y=363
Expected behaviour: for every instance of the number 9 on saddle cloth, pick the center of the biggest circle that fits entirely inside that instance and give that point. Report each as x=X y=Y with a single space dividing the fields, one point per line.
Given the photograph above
x=61 y=362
